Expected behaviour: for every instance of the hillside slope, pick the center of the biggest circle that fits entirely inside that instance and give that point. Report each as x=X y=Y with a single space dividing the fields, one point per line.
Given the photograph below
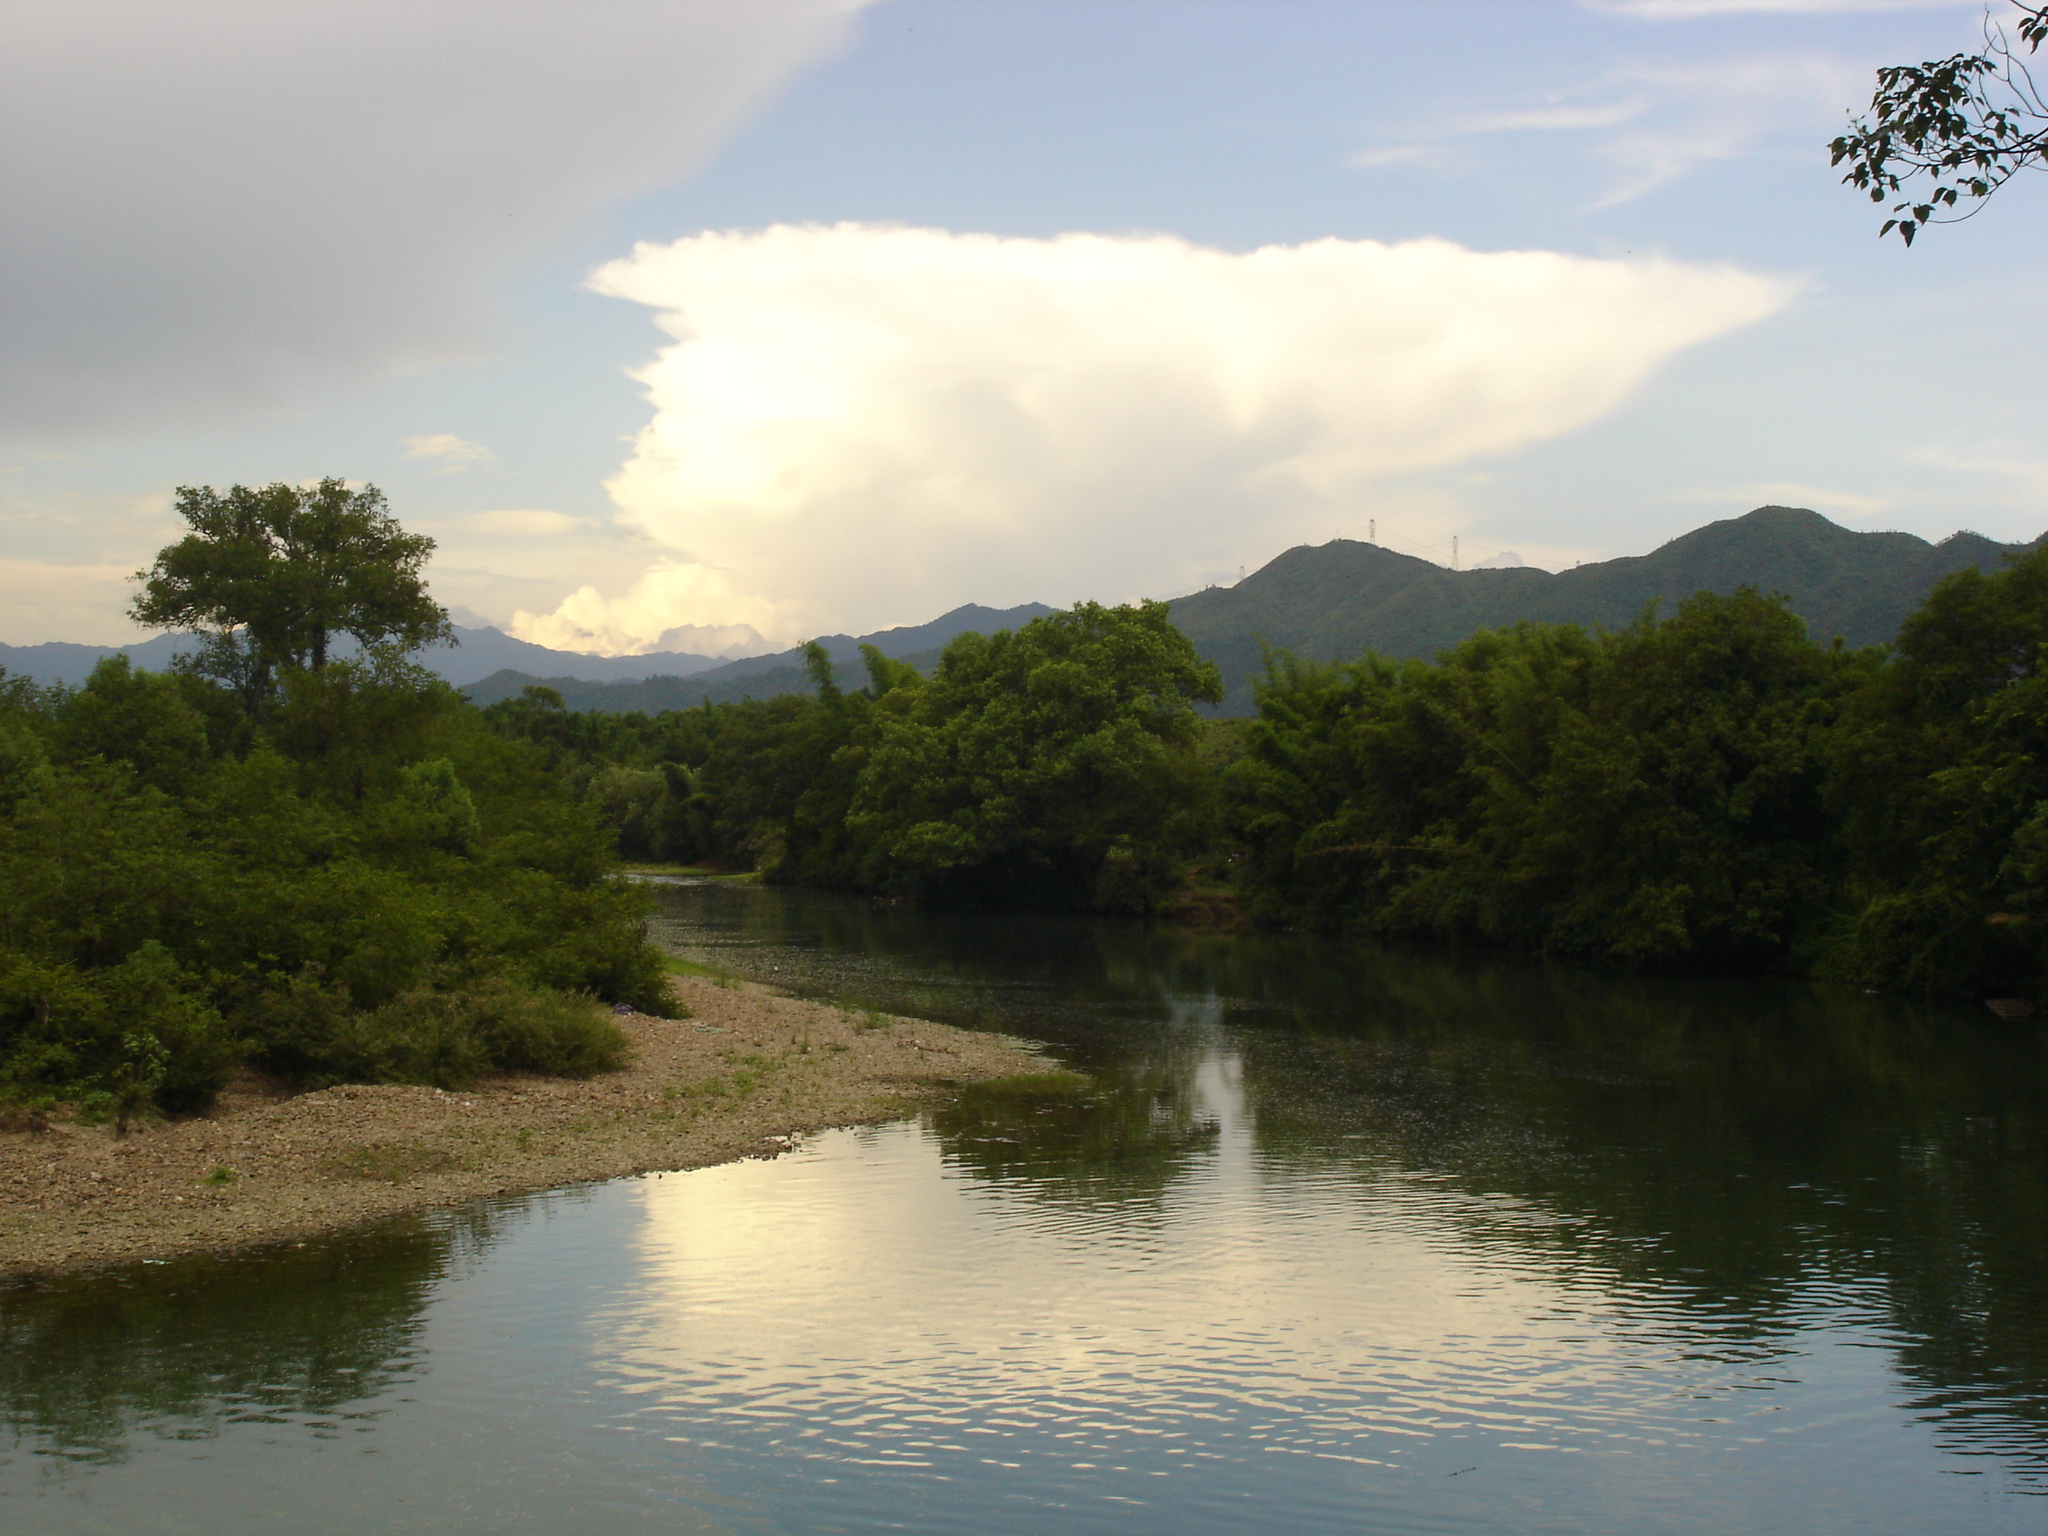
x=761 y=677
x=1338 y=600
x=475 y=654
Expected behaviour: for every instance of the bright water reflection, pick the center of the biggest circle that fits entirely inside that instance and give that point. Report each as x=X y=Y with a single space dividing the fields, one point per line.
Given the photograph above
x=1336 y=1241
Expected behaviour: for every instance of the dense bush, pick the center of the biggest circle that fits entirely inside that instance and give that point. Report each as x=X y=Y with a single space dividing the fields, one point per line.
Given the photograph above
x=1709 y=788
x=1650 y=794
x=360 y=880
x=1713 y=788
x=1052 y=766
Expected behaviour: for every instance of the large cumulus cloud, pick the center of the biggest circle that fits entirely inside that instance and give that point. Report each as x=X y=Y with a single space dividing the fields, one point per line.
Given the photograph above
x=212 y=201
x=860 y=425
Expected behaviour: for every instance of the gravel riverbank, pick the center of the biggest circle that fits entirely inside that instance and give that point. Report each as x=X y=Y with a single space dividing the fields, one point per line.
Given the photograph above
x=747 y=1074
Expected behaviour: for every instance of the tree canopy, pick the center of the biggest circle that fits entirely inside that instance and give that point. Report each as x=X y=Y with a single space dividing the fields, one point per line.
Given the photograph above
x=1957 y=127
x=269 y=574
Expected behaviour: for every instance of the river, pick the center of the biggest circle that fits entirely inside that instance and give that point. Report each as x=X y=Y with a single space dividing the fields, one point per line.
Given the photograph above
x=1332 y=1238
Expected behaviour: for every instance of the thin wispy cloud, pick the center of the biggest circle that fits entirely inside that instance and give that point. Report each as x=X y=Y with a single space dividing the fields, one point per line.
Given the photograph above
x=2003 y=469
x=450 y=453
x=523 y=522
x=1789 y=493
x=1644 y=125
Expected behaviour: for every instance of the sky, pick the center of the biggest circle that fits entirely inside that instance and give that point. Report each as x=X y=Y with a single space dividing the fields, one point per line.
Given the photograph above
x=715 y=324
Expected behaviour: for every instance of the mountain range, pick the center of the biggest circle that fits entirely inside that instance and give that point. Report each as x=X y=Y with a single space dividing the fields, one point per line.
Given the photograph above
x=476 y=654
x=760 y=677
x=1336 y=601
x=489 y=665
x=1324 y=602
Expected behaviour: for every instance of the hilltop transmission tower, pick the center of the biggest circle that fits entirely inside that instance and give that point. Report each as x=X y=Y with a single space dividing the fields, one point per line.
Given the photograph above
x=1454 y=551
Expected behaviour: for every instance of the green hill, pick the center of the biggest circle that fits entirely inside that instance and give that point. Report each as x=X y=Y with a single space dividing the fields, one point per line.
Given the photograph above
x=1338 y=600
x=757 y=677
x=647 y=695
x=1335 y=601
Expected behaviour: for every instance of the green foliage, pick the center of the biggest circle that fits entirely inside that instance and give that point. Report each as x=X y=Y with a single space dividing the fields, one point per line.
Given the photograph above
x=269 y=574
x=1965 y=125
x=1711 y=789
x=1708 y=789
x=1652 y=794
x=116 y=1039
x=1336 y=601
x=1055 y=765
x=362 y=879
x=1050 y=766
x=1942 y=789
x=448 y=1039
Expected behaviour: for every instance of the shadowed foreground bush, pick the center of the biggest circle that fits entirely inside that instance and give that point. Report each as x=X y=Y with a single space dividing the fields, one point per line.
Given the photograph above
x=309 y=1032
x=359 y=882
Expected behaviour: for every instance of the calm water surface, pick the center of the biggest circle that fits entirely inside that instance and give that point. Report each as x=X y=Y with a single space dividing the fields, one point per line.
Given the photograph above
x=1334 y=1240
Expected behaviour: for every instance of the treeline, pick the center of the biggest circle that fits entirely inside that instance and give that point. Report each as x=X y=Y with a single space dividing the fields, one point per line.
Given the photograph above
x=1709 y=789
x=1049 y=766
x=363 y=882
x=1712 y=788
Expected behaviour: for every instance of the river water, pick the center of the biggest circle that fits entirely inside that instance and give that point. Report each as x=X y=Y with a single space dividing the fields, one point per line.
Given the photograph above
x=1331 y=1239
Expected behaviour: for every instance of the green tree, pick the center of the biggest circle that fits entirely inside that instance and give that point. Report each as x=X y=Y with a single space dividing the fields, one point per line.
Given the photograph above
x=1960 y=127
x=1053 y=765
x=1647 y=795
x=268 y=575
x=1941 y=784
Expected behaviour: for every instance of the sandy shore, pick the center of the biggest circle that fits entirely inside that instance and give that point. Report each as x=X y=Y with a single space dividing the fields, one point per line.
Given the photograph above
x=746 y=1075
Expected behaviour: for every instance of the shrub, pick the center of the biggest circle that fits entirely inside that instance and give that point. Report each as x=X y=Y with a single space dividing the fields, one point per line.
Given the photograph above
x=443 y=1038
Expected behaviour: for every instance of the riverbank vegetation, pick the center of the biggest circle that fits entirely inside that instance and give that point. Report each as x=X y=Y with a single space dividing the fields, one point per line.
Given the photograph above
x=329 y=868
x=1707 y=788
x=333 y=867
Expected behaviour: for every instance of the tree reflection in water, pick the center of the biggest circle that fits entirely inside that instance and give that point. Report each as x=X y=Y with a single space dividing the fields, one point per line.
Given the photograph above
x=1763 y=1154
x=303 y=1334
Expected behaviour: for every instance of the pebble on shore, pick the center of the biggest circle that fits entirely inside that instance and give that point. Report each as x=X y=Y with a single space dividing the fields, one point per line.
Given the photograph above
x=746 y=1075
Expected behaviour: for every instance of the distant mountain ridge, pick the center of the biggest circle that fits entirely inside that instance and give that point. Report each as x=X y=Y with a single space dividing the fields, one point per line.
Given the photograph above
x=1336 y=601
x=759 y=677
x=477 y=654
x=1322 y=602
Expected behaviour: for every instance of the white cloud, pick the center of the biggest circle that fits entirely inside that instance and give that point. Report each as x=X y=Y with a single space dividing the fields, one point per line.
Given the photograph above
x=868 y=425
x=1789 y=493
x=674 y=606
x=455 y=453
x=530 y=523
x=213 y=201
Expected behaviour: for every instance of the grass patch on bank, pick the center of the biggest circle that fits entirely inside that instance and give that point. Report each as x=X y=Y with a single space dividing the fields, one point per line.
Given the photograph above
x=1034 y=1085
x=393 y=1165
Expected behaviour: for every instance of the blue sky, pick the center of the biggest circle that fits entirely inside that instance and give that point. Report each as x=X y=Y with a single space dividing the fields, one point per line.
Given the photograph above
x=1081 y=300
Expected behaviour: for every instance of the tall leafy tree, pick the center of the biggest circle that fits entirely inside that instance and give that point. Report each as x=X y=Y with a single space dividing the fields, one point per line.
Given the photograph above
x=269 y=575
x=1941 y=783
x=1053 y=765
x=1948 y=129
x=1647 y=795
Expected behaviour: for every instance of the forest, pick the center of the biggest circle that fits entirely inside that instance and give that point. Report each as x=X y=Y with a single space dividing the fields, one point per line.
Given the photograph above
x=1709 y=787
x=336 y=868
